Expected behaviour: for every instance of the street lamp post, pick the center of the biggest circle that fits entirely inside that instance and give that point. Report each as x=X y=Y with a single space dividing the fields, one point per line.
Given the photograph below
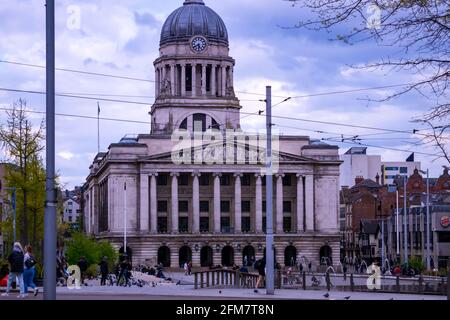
x=428 y=218
x=397 y=227
x=13 y=203
x=405 y=222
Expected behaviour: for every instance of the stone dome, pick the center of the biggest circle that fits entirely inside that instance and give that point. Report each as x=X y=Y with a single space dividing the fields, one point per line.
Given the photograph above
x=192 y=19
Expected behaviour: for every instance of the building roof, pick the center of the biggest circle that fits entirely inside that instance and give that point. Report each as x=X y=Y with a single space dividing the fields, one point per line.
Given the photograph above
x=367 y=183
x=357 y=150
x=194 y=18
x=369 y=226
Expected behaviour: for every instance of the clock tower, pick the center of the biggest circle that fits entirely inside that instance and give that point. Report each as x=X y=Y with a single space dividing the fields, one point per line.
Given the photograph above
x=194 y=73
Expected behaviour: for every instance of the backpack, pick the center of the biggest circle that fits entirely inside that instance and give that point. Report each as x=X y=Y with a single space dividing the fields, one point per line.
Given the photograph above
x=30 y=262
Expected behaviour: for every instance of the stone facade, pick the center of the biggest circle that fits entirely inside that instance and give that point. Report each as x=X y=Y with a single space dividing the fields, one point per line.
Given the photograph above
x=210 y=213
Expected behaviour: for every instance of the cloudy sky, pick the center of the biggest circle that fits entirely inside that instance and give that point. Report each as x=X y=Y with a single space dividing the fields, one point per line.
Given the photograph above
x=121 y=37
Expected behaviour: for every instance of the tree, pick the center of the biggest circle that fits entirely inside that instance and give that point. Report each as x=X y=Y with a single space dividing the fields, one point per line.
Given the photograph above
x=23 y=145
x=421 y=28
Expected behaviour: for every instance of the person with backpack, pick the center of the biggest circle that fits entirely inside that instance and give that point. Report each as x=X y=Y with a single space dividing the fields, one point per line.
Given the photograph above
x=15 y=260
x=29 y=271
x=260 y=266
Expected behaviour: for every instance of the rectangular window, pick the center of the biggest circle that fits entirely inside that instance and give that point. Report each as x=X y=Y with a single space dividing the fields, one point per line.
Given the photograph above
x=246 y=224
x=264 y=206
x=245 y=206
x=69 y=203
x=70 y=218
x=264 y=226
x=70 y=210
x=404 y=170
x=246 y=180
x=78 y=211
x=391 y=168
x=204 y=180
x=204 y=206
x=162 y=179
x=162 y=206
x=183 y=206
x=183 y=224
x=204 y=224
x=183 y=179
x=287 y=224
x=224 y=206
x=287 y=180
x=225 y=224
x=263 y=180
x=225 y=180
x=162 y=224
x=287 y=206
x=189 y=78
x=443 y=237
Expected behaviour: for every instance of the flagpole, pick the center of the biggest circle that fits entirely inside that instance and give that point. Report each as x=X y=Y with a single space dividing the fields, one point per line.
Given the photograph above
x=98 y=127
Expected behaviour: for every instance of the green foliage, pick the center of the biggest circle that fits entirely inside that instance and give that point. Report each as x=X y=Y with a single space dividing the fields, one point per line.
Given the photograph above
x=92 y=250
x=417 y=263
x=4 y=268
x=92 y=271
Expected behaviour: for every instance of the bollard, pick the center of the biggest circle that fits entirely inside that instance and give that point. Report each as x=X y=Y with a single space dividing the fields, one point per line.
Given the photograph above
x=195 y=281
x=201 y=280
x=327 y=277
x=421 y=283
x=397 y=283
x=304 y=280
x=352 y=283
x=448 y=285
x=345 y=276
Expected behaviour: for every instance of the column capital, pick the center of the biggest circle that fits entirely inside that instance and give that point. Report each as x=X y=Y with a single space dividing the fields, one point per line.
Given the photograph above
x=238 y=174
x=217 y=174
x=153 y=174
x=196 y=174
x=279 y=175
x=300 y=175
x=174 y=174
x=259 y=175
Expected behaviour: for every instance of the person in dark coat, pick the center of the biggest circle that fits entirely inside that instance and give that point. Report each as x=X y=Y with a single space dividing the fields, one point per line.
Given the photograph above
x=260 y=265
x=104 y=271
x=83 y=265
x=16 y=263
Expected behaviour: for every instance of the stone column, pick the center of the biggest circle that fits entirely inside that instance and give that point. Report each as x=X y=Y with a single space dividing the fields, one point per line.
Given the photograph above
x=163 y=73
x=258 y=205
x=231 y=76
x=217 y=212
x=172 y=79
x=224 y=81
x=144 y=208
x=153 y=204
x=204 y=79
x=157 y=83
x=309 y=188
x=300 y=203
x=194 y=80
x=279 y=204
x=213 y=80
x=183 y=80
x=237 y=203
x=195 y=203
x=174 y=220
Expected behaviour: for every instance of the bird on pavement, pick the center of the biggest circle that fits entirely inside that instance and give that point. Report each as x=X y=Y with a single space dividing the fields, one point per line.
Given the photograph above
x=179 y=282
x=326 y=295
x=347 y=298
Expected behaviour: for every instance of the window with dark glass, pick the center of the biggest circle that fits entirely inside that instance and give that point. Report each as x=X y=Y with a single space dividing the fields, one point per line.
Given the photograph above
x=245 y=206
x=264 y=204
x=264 y=224
x=183 y=179
x=263 y=180
x=225 y=206
x=287 y=224
x=162 y=206
x=204 y=206
x=183 y=206
x=183 y=224
x=287 y=206
x=287 y=180
x=162 y=179
x=246 y=180
x=204 y=224
x=225 y=180
x=184 y=124
x=404 y=170
x=189 y=78
x=204 y=180
x=245 y=224
x=162 y=224
x=200 y=118
x=225 y=223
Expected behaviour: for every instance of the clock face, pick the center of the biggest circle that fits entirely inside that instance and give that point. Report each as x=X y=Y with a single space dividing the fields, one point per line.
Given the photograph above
x=199 y=44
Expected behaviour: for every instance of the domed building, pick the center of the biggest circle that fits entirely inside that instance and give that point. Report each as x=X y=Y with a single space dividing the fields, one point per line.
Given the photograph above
x=159 y=197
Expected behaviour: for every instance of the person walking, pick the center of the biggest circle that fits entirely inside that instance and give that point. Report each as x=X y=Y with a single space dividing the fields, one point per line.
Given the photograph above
x=104 y=271
x=125 y=269
x=260 y=265
x=15 y=260
x=189 y=267
x=186 y=268
x=83 y=265
x=29 y=271
x=310 y=267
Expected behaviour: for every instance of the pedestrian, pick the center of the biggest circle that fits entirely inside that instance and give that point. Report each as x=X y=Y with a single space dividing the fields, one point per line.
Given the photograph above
x=310 y=267
x=186 y=268
x=15 y=260
x=260 y=265
x=83 y=265
x=125 y=268
x=190 y=267
x=301 y=267
x=29 y=271
x=104 y=271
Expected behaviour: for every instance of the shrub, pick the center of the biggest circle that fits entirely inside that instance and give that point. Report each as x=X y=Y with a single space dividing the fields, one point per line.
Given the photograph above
x=417 y=263
x=92 y=271
x=92 y=250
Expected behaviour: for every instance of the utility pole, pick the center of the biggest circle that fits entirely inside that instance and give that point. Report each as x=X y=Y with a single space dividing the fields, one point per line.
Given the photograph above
x=382 y=245
x=50 y=197
x=125 y=218
x=405 y=222
x=428 y=221
x=270 y=268
x=98 y=127
x=397 y=227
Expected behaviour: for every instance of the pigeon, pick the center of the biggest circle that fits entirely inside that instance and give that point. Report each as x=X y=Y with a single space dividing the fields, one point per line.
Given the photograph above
x=326 y=295
x=347 y=298
x=179 y=282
